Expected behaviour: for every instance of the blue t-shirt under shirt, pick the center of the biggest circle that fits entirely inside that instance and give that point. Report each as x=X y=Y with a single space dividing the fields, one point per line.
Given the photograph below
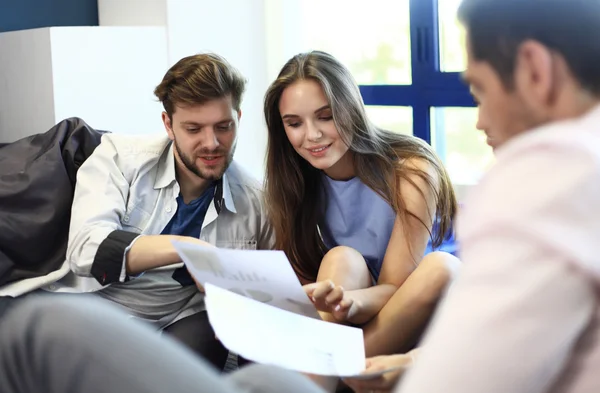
x=187 y=221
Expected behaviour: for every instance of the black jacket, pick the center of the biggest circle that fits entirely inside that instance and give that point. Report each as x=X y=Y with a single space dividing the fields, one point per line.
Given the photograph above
x=37 y=182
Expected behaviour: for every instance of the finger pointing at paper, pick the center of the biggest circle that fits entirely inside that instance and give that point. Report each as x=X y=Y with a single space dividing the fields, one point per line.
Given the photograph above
x=331 y=298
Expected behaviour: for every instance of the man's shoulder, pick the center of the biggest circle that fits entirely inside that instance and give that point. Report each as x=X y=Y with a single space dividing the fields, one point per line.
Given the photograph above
x=132 y=155
x=550 y=170
x=568 y=146
x=580 y=134
x=132 y=152
x=545 y=189
x=131 y=145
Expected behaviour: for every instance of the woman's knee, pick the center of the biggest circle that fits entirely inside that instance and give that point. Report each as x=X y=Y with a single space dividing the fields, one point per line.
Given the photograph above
x=437 y=270
x=442 y=263
x=342 y=255
x=345 y=264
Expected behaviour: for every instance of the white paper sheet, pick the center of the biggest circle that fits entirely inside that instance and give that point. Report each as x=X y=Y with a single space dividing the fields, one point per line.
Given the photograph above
x=258 y=309
x=263 y=275
x=266 y=334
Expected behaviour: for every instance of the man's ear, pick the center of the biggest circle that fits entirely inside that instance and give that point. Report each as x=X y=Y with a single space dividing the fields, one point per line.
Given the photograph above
x=239 y=113
x=168 y=126
x=535 y=73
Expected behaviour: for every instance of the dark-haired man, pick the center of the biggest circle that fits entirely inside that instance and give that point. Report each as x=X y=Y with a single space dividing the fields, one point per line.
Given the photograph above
x=523 y=316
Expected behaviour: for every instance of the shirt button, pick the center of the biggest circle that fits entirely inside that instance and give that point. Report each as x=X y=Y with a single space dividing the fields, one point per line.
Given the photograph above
x=126 y=219
x=168 y=209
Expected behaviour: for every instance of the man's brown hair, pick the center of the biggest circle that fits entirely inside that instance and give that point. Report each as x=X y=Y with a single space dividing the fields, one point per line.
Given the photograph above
x=200 y=78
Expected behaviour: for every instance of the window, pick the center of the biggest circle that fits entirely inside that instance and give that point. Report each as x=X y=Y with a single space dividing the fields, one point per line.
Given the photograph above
x=376 y=50
x=451 y=37
x=392 y=118
x=460 y=144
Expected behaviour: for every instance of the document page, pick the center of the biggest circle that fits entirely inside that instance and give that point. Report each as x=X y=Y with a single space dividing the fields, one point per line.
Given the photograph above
x=269 y=335
x=265 y=276
x=258 y=309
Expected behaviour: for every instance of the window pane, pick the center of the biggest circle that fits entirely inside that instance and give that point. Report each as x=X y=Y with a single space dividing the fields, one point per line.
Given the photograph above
x=460 y=144
x=392 y=118
x=452 y=34
x=372 y=40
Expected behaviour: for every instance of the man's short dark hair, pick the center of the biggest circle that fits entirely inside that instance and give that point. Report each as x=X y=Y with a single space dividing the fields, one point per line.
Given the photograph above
x=571 y=28
x=200 y=78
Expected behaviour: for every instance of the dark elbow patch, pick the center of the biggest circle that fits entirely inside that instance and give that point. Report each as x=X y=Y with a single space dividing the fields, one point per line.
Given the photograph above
x=108 y=262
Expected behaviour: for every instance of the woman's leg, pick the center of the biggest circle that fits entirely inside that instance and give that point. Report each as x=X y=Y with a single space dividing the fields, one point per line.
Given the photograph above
x=58 y=344
x=402 y=321
x=345 y=267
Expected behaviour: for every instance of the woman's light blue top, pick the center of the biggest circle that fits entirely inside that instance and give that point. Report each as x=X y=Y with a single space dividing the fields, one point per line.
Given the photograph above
x=357 y=217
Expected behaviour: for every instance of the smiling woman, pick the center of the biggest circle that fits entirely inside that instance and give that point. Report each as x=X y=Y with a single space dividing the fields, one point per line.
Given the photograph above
x=353 y=206
x=311 y=131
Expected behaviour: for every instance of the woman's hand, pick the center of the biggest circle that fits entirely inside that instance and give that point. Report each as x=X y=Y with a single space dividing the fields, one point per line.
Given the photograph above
x=384 y=382
x=331 y=298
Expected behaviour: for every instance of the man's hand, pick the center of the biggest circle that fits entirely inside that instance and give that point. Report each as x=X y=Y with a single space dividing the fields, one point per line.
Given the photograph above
x=153 y=251
x=385 y=382
x=332 y=299
x=189 y=239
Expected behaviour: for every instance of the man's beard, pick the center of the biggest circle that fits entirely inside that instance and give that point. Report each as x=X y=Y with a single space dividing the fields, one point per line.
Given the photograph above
x=190 y=163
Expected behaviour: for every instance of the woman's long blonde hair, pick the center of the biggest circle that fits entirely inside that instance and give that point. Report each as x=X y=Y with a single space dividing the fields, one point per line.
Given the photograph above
x=294 y=196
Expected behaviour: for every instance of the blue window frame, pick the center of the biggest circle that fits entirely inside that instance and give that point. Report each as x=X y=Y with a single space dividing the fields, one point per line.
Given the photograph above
x=430 y=86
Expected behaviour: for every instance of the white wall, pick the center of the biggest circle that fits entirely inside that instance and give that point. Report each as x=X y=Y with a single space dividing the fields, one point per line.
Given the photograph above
x=109 y=80
x=104 y=75
x=26 y=88
x=283 y=33
x=132 y=12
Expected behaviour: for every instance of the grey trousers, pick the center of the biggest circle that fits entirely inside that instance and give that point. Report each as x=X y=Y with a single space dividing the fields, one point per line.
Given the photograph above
x=63 y=345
